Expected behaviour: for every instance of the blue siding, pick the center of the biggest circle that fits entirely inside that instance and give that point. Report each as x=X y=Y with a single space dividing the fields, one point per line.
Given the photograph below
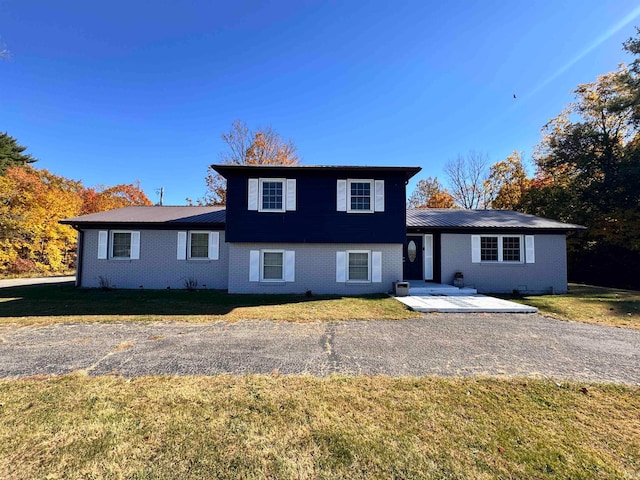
x=316 y=219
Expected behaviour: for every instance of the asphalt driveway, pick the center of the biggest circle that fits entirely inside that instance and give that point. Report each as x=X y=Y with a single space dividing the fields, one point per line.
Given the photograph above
x=438 y=344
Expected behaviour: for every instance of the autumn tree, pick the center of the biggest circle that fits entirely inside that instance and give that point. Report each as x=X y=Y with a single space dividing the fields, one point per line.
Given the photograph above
x=631 y=79
x=101 y=198
x=31 y=204
x=263 y=146
x=12 y=153
x=467 y=175
x=507 y=182
x=429 y=193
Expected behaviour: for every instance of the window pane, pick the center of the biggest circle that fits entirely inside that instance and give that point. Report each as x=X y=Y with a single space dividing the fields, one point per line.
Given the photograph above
x=360 y=196
x=489 y=249
x=511 y=249
x=358 y=266
x=272 y=195
x=272 y=266
x=199 y=245
x=122 y=244
x=412 y=251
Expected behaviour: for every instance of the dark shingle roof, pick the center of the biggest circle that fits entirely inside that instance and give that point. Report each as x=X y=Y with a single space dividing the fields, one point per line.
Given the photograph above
x=473 y=219
x=153 y=215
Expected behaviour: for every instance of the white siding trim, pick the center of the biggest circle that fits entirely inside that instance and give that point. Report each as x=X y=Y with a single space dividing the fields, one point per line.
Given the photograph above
x=428 y=256
x=181 y=253
x=214 y=245
x=530 y=249
x=103 y=237
x=254 y=265
x=475 y=249
x=135 y=245
x=341 y=267
x=252 y=200
x=290 y=195
x=379 y=195
x=289 y=266
x=376 y=267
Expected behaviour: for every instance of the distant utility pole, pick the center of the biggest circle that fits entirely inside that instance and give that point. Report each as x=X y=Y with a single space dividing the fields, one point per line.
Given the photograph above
x=161 y=192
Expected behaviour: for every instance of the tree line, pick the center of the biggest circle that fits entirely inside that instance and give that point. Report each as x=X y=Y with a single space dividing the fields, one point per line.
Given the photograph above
x=33 y=200
x=587 y=173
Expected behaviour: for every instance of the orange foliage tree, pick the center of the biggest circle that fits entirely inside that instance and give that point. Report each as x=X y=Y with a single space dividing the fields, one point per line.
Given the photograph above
x=429 y=193
x=32 y=201
x=102 y=198
x=245 y=147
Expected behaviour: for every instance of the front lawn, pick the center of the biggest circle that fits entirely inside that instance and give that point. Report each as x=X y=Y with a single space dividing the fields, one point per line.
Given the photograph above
x=586 y=303
x=304 y=427
x=47 y=304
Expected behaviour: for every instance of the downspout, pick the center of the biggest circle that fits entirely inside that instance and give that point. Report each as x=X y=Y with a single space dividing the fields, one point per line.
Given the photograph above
x=79 y=256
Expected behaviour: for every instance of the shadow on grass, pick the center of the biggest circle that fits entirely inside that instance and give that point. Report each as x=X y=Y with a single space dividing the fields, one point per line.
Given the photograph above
x=64 y=300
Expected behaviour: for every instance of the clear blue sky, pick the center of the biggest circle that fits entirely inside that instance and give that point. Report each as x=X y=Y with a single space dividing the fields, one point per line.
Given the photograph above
x=113 y=92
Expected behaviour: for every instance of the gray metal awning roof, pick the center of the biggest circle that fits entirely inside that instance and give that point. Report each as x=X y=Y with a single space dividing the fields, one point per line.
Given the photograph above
x=441 y=219
x=438 y=219
x=153 y=215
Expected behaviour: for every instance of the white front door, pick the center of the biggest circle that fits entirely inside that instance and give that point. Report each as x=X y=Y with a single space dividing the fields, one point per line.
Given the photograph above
x=428 y=257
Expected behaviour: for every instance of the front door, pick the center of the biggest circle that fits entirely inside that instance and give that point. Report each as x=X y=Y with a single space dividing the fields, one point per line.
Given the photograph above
x=413 y=258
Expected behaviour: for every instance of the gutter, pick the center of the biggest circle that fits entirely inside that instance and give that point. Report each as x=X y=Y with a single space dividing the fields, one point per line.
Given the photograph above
x=79 y=256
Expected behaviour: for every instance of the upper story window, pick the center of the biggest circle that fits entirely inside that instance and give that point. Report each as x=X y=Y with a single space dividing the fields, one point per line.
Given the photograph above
x=271 y=194
x=360 y=195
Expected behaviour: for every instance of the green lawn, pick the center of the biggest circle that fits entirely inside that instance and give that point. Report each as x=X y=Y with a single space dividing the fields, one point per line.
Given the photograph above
x=47 y=304
x=586 y=303
x=303 y=427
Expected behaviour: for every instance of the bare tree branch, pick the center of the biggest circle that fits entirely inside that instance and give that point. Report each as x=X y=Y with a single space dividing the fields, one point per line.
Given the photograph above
x=467 y=175
x=263 y=146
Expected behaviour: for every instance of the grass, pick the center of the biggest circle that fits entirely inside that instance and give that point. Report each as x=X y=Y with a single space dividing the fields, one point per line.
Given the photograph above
x=48 y=304
x=586 y=303
x=302 y=427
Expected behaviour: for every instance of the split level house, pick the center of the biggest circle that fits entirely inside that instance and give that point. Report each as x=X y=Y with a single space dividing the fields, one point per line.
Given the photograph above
x=321 y=229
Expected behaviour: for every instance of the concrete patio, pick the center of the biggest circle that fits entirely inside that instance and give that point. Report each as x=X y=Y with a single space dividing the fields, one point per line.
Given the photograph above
x=436 y=297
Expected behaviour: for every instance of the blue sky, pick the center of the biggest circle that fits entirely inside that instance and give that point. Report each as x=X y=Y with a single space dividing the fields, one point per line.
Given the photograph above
x=114 y=92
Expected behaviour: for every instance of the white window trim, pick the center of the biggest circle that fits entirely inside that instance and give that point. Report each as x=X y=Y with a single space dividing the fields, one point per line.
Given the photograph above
x=131 y=246
x=282 y=181
x=268 y=280
x=372 y=194
x=500 y=249
x=368 y=280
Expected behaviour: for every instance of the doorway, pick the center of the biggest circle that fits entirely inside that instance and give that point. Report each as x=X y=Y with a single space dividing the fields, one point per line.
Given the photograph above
x=418 y=257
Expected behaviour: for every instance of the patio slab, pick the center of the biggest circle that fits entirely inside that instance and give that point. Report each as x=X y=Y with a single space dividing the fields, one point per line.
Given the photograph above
x=463 y=304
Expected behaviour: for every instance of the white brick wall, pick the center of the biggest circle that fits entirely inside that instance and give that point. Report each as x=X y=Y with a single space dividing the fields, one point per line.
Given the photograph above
x=315 y=269
x=157 y=268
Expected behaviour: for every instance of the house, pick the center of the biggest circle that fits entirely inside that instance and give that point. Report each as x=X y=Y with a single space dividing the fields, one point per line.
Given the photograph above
x=325 y=229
